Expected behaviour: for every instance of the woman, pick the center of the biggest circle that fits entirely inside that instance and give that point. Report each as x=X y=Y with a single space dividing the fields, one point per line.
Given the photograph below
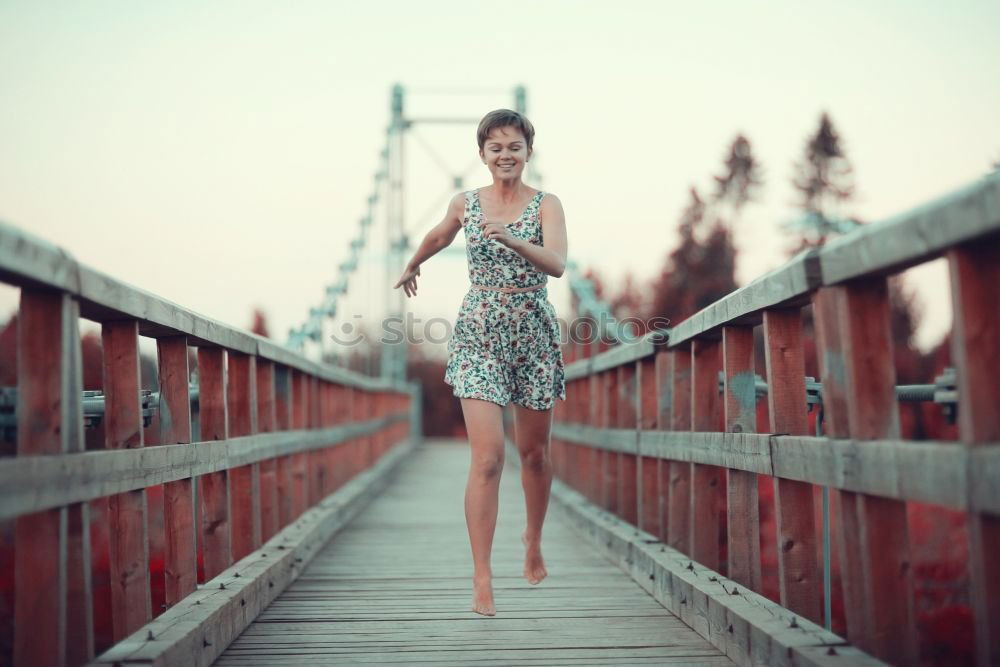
x=505 y=346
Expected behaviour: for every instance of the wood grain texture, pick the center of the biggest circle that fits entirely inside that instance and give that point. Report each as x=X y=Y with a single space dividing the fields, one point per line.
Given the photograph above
x=395 y=586
x=594 y=415
x=266 y=423
x=43 y=482
x=799 y=573
x=128 y=526
x=47 y=544
x=31 y=262
x=180 y=550
x=679 y=480
x=873 y=413
x=609 y=459
x=299 y=467
x=213 y=487
x=740 y=413
x=196 y=631
x=873 y=535
x=830 y=347
x=748 y=628
x=628 y=467
x=941 y=473
x=786 y=286
x=707 y=482
x=244 y=504
x=975 y=274
x=651 y=501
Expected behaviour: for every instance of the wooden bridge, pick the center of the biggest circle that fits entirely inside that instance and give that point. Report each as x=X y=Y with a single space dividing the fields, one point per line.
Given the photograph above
x=297 y=516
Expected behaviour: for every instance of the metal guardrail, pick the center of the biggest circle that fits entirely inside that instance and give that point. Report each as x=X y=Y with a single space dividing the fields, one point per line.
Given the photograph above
x=944 y=392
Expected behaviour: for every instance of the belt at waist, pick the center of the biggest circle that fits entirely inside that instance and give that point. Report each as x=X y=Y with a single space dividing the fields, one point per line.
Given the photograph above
x=509 y=289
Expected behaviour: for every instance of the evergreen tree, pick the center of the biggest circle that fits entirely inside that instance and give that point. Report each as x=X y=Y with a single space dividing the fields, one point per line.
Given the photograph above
x=259 y=325
x=696 y=272
x=740 y=182
x=825 y=180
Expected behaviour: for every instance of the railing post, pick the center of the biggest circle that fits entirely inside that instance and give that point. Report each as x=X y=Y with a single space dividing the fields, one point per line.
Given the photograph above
x=594 y=416
x=180 y=568
x=679 y=487
x=856 y=360
x=244 y=481
x=379 y=437
x=316 y=458
x=975 y=349
x=129 y=540
x=213 y=487
x=359 y=446
x=300 y=415
x=740 y=409
x=609 y=459
x=798 y=571
x=345 y=415
x=580 y=473
x=284 y=464
x=266 y=423
x=327 y=420
x=52 y=607
x=662 y=420
x=650 y=503
x=706 y=480
x=628 y=499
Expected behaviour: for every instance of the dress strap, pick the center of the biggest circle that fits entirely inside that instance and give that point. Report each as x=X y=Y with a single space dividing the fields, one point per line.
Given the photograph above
x=470 y=197
x=536 y=202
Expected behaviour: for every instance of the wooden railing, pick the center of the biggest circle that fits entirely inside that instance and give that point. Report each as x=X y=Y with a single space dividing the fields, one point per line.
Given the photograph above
x=276 y=434
x=646 y=434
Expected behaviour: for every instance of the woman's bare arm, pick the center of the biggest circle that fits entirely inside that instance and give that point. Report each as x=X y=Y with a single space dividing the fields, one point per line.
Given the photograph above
x=442 y=234
x=550 y=257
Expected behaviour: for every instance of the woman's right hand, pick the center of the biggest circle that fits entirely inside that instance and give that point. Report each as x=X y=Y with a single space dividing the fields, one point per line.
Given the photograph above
x=409 y=280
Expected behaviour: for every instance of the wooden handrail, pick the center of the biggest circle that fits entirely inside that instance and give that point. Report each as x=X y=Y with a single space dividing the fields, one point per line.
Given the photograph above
x=28 y=261
x=277 y=434
x=645 y=435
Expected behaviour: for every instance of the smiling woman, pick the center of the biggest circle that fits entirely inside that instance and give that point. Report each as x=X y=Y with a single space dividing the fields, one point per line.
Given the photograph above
x=505 y=345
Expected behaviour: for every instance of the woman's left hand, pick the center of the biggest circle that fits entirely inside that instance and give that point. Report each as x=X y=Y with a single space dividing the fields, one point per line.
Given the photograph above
x=498 y=232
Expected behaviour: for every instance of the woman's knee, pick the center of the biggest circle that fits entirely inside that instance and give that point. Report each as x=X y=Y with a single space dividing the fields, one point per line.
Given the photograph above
x=488 y=465
x=534 y=459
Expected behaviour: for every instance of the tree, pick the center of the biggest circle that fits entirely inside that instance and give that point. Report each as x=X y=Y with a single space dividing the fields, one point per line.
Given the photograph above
x=740 y=183
x=825 y=180
x=696 y=272
x=627 y=300
x=259 y=325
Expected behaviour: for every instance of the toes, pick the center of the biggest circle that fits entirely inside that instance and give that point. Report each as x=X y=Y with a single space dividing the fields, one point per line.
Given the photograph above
x=484 y=610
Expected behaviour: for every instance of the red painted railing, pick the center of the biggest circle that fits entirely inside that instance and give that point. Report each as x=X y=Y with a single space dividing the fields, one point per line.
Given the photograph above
x=97 y=543
x=646 y=434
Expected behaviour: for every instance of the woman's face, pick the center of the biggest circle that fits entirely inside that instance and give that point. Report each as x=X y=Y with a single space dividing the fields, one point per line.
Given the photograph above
x=504 y=152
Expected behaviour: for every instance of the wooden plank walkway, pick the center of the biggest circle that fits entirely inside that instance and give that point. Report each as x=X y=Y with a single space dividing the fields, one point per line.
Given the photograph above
x=396 y=586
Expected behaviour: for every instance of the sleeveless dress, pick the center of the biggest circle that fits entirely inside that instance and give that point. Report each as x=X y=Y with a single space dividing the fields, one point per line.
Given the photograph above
x=505 y=346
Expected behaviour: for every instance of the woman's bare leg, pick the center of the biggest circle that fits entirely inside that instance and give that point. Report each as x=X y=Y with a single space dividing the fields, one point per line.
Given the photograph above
x=484 y=423
x=531 y=432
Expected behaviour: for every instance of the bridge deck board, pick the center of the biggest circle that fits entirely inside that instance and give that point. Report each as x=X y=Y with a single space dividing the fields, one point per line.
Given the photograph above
x=395 y=586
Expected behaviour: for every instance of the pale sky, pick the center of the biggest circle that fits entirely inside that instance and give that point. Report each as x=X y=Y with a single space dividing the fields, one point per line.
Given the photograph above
x=220 y=154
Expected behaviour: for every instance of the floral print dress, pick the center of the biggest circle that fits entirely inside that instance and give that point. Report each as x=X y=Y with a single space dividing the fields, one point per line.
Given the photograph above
x=505 y=347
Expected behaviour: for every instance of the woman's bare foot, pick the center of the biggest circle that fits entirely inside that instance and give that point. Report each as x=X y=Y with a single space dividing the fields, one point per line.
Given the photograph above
x=482 y=596
x=534 y=566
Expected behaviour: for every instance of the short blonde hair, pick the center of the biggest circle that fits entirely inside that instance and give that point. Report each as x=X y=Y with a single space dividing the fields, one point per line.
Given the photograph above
x=504 y=118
